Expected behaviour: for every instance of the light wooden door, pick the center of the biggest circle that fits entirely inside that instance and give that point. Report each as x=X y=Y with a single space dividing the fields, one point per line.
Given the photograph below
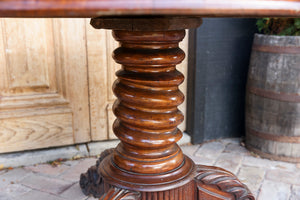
x=55 y=83
x=43 y=84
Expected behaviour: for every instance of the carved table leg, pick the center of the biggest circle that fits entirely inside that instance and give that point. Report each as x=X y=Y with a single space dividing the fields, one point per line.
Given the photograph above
x=148 y=160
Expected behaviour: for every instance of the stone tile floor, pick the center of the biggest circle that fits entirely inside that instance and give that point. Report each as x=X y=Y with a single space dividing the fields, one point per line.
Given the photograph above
x=268 y=180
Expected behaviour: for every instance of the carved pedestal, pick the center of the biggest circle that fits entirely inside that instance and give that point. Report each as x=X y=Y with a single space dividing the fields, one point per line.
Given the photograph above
x=148 y=164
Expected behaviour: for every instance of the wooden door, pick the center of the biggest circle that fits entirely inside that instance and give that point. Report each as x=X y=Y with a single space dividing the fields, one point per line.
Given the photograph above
x=43 y=84
x=55 y=83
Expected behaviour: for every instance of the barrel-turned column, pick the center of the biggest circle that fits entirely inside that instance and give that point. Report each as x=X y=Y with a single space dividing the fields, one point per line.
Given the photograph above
x=148 y=164
x=146 y=110
x=148 y=96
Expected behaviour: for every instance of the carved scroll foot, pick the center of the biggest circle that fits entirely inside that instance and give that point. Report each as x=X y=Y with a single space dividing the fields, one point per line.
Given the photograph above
x=91 y=182
x=218 y=184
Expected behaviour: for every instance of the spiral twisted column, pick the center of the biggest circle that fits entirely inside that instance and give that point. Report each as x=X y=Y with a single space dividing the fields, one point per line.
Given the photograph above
x=148 y=164
x=146 y=110
x=148 y=96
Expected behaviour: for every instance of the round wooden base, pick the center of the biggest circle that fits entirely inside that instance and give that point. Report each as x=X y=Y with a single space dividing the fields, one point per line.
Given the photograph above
x=202 y=182
x=116 y=176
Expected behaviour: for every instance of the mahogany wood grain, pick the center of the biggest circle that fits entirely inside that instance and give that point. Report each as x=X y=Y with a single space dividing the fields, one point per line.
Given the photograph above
x=146 y=111
x=148 y=164
x=95 y=8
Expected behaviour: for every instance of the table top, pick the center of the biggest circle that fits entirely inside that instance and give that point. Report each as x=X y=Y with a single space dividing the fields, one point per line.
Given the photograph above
x=93 y=8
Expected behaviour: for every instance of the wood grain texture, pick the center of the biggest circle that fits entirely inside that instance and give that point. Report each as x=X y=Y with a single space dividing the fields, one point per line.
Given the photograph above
x=272 y=109
x=146 y=111
x=148 y=164
x=97 y=78
x=147 y=117
x=42 y=75
x=41 y=69
x=209 y=183
x=70 y=49
x=102 y=69
x=94 y=8
x=29 y=57
x=119 y=194
x=33 y=132
x=36 y=57
x=218 y=184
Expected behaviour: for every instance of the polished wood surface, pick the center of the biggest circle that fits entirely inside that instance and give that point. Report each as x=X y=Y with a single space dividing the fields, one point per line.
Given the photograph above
x=148 y=164
x=146 y=109
x=94 y=8
x=209 y=183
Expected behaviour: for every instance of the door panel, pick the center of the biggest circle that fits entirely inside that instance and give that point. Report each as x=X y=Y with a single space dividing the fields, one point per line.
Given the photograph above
x=100 y=45
x=43 y=84
x=71 y=54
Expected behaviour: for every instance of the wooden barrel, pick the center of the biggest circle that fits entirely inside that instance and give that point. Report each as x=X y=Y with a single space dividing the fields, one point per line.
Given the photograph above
x=273 y=98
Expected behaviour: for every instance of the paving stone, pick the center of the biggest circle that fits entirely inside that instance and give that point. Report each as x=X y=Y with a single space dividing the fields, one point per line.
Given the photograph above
x=202 y=160
x=95 y=148
x=13 y=176
x=4 y=196
x=229 y=161
x=226 y=141
x=37 y=195
x=71 y=163
x=73 y=192
x=14 y=190
x=274 y=191
x=73 y=174
x=91 y=198
x=284 y=176
x=252 y=177
x=45 y=184
x=42 y=182
x=236 y=149
x=48 y=169
x=266 y=163
x=185 y=139
x=189 y=150
x=42 y=156
x=295 y=194
x=210 y=150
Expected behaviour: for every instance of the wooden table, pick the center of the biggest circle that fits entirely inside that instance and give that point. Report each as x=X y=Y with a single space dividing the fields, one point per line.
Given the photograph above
x=148 y=164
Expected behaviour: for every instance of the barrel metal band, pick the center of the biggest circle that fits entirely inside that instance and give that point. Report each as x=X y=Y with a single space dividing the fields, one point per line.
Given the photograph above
x=277 y=138
x=289 y=97
x=276 y=49
x=273 y=156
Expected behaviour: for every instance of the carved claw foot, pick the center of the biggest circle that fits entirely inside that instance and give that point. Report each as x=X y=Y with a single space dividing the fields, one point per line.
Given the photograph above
x=91 y=182
x=219 y=184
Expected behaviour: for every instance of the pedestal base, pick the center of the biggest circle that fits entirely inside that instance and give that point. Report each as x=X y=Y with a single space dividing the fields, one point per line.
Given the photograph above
x=148 y=164
x=209 y=183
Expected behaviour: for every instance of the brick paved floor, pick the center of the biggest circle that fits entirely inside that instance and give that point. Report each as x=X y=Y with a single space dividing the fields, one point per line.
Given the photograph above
x=268 y=180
